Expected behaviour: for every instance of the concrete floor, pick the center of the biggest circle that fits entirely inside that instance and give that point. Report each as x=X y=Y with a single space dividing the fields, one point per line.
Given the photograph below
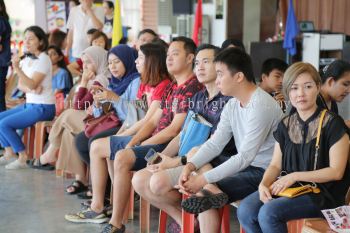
x=33 y=201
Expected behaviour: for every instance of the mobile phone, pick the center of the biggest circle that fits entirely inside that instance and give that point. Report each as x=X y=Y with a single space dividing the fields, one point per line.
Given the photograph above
x=153 y=157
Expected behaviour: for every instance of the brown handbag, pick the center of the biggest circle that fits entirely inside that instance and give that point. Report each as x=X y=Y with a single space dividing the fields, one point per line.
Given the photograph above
x=94 y=126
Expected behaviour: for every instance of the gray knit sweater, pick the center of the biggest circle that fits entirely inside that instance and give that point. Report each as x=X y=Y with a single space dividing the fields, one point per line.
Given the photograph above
x=252 y=127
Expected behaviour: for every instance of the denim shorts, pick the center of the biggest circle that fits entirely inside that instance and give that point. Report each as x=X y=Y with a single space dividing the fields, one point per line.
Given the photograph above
x=118 y=143
x=140 y=153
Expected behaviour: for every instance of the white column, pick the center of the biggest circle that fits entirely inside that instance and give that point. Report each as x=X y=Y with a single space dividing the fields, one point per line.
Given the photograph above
x=40 y=14
x=251 y=22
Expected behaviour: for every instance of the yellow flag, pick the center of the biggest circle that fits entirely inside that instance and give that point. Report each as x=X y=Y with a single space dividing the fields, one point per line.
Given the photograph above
x=117 y=24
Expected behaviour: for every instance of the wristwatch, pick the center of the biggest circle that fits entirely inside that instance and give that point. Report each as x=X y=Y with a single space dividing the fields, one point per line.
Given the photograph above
x=183 y=160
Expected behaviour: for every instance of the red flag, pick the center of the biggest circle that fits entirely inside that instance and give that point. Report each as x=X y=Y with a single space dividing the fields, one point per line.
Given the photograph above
x=197 y=27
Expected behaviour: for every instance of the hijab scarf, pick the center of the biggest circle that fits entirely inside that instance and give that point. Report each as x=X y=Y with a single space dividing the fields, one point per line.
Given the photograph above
x=98 y=56
x=127 y=56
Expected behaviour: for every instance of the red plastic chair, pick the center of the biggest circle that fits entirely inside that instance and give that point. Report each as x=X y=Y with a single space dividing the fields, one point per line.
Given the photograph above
x=28 y=140
x=188 y=220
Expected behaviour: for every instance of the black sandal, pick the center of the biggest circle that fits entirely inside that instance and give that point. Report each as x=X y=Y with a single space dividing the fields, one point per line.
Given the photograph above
x=77 y=186
x=196 y=205
x=85 y=195
x=36 y=164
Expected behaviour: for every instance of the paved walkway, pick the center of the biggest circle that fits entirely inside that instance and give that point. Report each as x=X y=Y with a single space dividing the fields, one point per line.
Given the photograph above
x=33 y=201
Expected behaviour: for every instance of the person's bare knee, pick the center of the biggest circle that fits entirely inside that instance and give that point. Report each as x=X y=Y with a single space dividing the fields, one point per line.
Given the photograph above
x=160 y=183
x=124 y=160
x=98 y=148
x=141 y=180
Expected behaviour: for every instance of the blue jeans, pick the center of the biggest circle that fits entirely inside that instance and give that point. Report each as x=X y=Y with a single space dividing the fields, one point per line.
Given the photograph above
x=21 y=117
x=272 y=217
x=242 y=184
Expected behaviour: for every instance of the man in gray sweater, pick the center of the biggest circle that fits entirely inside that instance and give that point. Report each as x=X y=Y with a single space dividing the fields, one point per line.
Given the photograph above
x=250 y=117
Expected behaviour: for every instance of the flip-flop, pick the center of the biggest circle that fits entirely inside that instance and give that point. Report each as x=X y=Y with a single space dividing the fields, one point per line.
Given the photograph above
x=78 y=187
x=199 y=204
x=36 y=164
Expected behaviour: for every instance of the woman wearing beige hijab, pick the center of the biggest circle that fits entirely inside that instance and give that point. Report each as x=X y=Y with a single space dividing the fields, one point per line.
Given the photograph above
x=70 y=122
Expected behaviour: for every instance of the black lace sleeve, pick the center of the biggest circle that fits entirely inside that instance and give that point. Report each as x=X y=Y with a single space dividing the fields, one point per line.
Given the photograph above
x=335 y=130
x=280 y=133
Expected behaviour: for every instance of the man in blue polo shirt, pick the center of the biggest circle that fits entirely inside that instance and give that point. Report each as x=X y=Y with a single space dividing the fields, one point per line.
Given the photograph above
x=156 y=182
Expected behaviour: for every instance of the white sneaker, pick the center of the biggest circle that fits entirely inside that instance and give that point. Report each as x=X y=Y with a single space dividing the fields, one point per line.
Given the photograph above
x=16 y=165
x=4 y=160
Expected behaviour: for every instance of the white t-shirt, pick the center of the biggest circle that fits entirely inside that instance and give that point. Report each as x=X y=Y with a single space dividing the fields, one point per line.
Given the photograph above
x=80 y=23
x=41 y=65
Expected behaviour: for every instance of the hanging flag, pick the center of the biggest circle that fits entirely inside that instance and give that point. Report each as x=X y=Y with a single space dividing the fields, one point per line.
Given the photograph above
x=197 y=27
x=292 y=30
x=117 y=24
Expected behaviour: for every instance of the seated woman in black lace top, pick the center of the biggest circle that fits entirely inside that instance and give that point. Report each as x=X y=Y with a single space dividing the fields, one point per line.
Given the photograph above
x=335 y=86
x=294 y=157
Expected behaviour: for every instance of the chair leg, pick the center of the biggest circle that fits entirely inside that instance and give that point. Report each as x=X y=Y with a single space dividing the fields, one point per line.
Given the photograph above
x=187 y=220
x=129 y=211
x=162 y=221
x=32 y=140
x=28 y=140
x=40 y=133
x=25 y=138
x=295 y=226
x=144 y=215
x=131 y=204
x=59 y=173
x=225 y=219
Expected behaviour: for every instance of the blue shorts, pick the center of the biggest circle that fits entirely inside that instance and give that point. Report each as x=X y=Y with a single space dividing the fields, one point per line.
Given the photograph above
x=140 y=153
x=118 y=143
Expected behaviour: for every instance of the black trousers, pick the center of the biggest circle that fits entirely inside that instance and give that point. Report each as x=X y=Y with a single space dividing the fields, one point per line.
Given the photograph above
x=83 y=143
x=3 y=73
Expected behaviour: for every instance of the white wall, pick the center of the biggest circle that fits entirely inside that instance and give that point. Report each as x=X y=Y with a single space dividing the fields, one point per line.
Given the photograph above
x=131 y=16
x=251 y=22
x=22 y=12
x=218 y=26
x=40 y=14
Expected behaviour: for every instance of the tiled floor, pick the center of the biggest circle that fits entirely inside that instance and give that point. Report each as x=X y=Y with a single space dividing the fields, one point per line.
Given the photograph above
x=34 y=201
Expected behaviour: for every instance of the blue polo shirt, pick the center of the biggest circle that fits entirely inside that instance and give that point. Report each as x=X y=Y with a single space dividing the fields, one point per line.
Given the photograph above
x=211 y=110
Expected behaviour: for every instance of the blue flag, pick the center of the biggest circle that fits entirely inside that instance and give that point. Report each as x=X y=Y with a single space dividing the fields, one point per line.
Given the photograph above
x=292 y=30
